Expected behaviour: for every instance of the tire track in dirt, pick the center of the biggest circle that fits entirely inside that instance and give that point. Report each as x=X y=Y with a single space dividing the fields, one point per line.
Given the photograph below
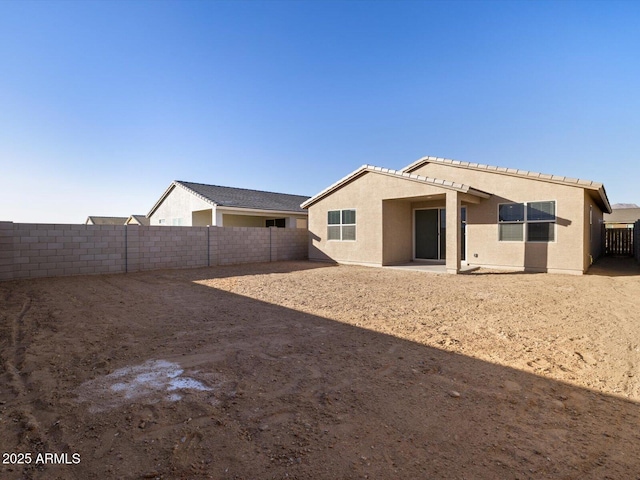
x=16 y=351
x=33 y=437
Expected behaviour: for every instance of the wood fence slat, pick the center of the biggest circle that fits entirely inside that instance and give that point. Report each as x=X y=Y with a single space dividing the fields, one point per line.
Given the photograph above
x=619 y=241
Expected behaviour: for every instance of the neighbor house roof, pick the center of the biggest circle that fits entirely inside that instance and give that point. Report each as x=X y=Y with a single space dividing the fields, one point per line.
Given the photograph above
x=395 y=173
x=623 y=215
x=106 y=220
x=574 y=182
x=233 y=197
x=138 y=219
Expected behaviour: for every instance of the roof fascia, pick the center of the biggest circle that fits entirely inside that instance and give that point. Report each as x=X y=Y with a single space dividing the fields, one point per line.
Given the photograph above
x=166 y=193
x=353 y=175
x=250 y=211
x=395 y=174
x=162 y=197
x=512 y=172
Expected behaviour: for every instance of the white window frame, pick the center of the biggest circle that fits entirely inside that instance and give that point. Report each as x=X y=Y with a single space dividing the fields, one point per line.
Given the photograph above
x=526 y=222
x=341 y=225
x=513 y=222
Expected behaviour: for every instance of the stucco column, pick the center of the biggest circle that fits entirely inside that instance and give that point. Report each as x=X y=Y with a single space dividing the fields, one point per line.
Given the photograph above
x=217 y=218
x=454 y=235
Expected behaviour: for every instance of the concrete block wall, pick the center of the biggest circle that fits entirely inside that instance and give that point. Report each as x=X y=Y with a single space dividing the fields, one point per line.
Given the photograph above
x=47 y=250
x=236 y=245
x=6 y=251
x=156 y=247
x=289 y=244
x=50 y=250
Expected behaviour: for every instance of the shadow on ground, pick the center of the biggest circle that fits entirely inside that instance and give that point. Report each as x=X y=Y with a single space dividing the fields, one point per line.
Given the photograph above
x=291 y=394
x=615 y=266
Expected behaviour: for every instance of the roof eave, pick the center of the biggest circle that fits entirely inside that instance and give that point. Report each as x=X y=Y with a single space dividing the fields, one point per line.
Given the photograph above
x=169 y=189
x=334 y=186
x=250 y=210
x=605 y=200
x=447 y=185
x=585 y=184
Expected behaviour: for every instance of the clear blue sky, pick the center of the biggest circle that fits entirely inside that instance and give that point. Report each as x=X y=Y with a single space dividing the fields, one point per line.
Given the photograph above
x=103 y=104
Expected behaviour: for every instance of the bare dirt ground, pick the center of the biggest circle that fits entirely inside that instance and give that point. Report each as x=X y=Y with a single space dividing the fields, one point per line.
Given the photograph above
x=309 y=371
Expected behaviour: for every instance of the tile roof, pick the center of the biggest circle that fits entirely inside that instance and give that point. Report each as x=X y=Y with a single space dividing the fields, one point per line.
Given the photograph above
x=396 y=173
x=575 y=182
x=508 y=171
x=245 y=198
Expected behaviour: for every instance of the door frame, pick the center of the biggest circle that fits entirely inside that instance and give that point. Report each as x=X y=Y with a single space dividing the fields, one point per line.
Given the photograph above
x=464 y=232
x=413 y=234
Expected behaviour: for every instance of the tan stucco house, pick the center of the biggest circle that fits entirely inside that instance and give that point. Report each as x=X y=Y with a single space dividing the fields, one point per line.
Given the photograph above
x=199 y=204
x=440 y=210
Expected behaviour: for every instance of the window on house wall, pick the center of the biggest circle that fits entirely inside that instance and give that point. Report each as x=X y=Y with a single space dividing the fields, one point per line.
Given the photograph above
x=162 y=221
x=511 y=222
x=541 y=221
x=534 y=220
x=341 y=225
x=276 y=222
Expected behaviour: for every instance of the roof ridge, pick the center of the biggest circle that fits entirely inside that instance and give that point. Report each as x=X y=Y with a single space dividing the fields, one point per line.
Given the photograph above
x=507 y=170
x=396 y=173
x=239 y=188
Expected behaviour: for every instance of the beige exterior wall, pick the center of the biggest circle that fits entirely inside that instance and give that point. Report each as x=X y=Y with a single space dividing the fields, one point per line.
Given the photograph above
x=565 y=255
x=202 y=218
x=385 y=208
x=243 y=220
x=594 y=229
x=177 y=207
x=239 y=220
x=397 y=233
x=368 y=195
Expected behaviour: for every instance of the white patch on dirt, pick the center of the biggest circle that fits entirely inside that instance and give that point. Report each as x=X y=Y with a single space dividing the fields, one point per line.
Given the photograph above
x=153 y=380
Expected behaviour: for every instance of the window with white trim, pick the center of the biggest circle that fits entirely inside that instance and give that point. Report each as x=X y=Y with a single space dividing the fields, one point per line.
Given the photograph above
x=535 y=221
x=341 y=224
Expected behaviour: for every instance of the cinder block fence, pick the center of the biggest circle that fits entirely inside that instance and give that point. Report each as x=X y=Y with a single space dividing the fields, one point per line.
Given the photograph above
x=46 y=250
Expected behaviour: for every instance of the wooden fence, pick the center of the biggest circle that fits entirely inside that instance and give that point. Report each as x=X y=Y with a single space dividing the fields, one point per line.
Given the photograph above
x=636 y=235
x=619 y=241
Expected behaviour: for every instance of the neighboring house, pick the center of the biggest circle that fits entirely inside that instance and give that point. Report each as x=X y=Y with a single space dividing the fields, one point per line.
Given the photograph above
x=137 y=220
x=93 y=220
x=623 y=217
x=452 y=212
x=197 y=204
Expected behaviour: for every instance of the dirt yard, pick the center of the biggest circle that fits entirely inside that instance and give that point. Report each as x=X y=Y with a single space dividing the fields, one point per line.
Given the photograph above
x=309 y=371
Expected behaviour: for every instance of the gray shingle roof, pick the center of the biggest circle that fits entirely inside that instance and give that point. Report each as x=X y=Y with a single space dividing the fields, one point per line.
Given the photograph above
x=245 y=198
x=141 y=219
x=106 y=220
x=623 y=215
